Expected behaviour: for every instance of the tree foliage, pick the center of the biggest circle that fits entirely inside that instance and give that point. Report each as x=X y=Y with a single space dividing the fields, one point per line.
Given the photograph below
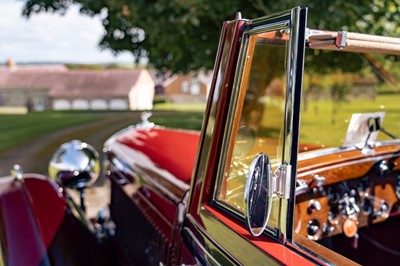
x=182 y=35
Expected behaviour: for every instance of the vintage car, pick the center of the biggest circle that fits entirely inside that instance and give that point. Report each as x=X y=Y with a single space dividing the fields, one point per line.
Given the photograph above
x=297 y=163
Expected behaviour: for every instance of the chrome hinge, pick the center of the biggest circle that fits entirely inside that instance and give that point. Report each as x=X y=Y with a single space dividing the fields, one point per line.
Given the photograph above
x=282 y=181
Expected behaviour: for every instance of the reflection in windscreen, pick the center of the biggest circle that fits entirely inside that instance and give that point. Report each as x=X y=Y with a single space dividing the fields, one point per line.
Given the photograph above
x=337 y=85
x=260 y=122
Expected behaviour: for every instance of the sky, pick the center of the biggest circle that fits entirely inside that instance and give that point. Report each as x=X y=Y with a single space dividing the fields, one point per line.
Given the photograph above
x=47 y=38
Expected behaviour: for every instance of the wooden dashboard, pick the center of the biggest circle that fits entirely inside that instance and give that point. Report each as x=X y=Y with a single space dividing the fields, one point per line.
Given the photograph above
x=342 y=191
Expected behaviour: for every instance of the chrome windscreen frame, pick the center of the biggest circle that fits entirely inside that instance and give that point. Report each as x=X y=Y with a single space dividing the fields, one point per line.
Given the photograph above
x=286 y=20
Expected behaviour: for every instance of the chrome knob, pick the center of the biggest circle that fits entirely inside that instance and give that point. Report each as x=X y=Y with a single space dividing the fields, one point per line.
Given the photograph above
x=384 y=168
x=312 y=227
x=313 y=205
x=319 y=180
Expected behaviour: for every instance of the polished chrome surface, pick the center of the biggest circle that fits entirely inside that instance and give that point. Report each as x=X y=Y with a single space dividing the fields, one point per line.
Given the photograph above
x=337 y=150
x=314 y=204
x=257 y=194
x=237 y=250
x=263 y=25
x=144 y=116
x=200 y=251
x=17 y=172
x=278 y=16
x=75 y=165
x=288 y=23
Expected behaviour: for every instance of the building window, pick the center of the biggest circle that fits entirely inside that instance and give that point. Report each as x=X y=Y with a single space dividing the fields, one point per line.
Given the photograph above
x=185 y=86
x=195 y=87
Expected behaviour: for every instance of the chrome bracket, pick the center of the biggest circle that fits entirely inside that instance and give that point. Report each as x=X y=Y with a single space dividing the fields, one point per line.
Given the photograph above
x=282 y=181
x=341 y=39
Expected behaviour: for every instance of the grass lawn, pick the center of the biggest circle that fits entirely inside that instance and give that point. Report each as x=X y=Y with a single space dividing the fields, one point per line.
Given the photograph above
x=17 y=129
x=316 y=122
x=317 y=126
x=192 y=107
x=176 y=119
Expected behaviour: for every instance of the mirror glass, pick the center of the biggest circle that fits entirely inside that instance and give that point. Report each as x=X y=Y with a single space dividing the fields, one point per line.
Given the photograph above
x=257 y=194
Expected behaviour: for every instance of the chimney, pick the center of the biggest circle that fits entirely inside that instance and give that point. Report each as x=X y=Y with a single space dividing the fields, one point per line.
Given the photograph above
x=10 y=64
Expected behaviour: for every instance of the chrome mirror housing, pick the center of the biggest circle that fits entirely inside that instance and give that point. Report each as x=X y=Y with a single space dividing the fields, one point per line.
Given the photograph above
x=75 y=165
x=257 y=194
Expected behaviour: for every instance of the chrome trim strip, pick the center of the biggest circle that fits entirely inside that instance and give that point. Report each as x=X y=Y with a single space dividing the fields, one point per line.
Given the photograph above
x=247 y=254
x=270 y=231
x=237 y=86
x=271 y=27
x=297 y=50
x=387 y=142
x=287 y=148
x=305 y=252
x=329 y=151
x=277 y=16
x=231 y=113
x=206 y=257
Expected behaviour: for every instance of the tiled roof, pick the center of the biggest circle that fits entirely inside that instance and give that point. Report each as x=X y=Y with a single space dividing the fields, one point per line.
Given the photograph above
x=96 y=83
x=35 y=68
x=29 y=80
x=3 y=75
x=77 y=82
x=7 y=71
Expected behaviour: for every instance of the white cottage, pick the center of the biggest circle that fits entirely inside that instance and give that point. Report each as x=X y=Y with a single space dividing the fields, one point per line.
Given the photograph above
x=78 y=89
x=107 y=89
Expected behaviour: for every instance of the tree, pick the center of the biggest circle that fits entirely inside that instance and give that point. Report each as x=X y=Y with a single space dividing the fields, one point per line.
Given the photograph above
x=182 y=35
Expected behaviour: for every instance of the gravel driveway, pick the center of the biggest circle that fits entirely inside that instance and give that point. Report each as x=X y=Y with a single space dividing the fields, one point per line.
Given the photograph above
x=35 y=155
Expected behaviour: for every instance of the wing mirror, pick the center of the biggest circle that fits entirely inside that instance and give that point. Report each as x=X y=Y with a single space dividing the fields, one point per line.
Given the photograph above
x=75 y=165
x=257 y=194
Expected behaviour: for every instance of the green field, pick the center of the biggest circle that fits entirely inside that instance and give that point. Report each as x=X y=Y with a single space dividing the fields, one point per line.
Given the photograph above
x=324 y=123
x=318 y=127
x=192 y=107
x=178 y=119
x=17 y=129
